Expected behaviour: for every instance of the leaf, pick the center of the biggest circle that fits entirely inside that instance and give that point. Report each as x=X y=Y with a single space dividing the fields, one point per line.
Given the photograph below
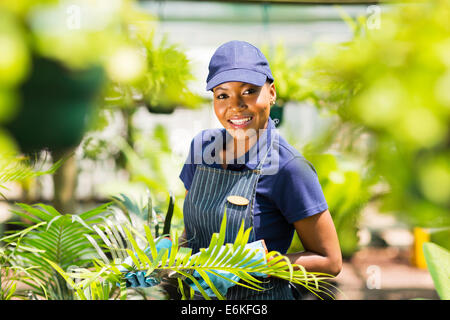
x=134 y=259
x=17 y=168
x=96 y=246
x=81 y=221
x=194 y=280
x=51 y=221
x=438 y=263
x=181 y=289
x=151 y=242
x=174 y=248
x=234 y=258
x=23 y=232
x=205 y=277
x=114 y=235
x=11 y=291
x=68 y=280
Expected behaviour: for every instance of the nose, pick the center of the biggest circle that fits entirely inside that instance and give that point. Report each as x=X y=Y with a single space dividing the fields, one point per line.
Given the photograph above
x=237 y=103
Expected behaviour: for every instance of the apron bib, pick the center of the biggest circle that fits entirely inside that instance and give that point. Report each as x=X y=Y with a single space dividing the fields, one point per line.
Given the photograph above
x=203 y=211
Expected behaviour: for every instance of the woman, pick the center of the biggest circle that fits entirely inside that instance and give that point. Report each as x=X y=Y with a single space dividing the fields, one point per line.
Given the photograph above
x=250 y=170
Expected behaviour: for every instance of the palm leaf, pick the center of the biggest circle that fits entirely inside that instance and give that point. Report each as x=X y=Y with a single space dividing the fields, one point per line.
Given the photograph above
x=230 y=257
x=18 y=168
x=54 y=237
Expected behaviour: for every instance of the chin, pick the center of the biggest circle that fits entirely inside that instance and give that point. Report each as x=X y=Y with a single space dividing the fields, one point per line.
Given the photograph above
x=243 y=135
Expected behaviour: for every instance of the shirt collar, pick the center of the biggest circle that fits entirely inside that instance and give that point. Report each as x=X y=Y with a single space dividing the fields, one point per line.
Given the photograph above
x=254 y=155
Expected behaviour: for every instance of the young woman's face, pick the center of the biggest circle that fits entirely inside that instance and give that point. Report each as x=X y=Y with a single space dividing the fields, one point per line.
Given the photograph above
x=242 y=108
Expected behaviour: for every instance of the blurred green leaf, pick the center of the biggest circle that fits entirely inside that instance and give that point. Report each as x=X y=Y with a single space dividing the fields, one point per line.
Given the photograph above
x=391 y=82
x=438 y=263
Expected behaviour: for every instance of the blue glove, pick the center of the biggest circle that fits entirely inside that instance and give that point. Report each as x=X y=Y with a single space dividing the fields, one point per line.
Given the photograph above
x=260 y=248
x=138 y=278
x=222 y=284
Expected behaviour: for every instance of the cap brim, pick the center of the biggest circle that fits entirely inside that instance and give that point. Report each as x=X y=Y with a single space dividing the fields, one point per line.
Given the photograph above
x=239 y=75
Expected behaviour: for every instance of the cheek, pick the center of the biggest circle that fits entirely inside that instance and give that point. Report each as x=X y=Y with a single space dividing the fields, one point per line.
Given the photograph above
x=263 y=107
x=220 y=113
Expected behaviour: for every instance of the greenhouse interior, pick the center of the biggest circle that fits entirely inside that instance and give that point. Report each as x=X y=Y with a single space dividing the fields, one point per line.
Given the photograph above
x=91 y=189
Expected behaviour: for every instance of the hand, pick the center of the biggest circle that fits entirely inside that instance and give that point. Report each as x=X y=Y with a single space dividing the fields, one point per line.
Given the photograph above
x=222 y=284
x=138 y=278
x=261 y=251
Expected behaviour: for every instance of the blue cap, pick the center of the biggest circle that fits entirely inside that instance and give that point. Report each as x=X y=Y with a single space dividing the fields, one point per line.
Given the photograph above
x=238 y=61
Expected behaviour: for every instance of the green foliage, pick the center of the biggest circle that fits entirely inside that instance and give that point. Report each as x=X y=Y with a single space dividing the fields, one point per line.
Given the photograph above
x=66 y=37
x=51 y=236
x=78 y=33
x=165 y=83
x=11 y=272
x=138 y=214
x=393 y=82
x=19 y=168
x=346 y=191
x=441 y=237
x=181 y=264
x=288 y=72
x=151 y=162
x=438 y=263
x=115 y=37
x=344 y=174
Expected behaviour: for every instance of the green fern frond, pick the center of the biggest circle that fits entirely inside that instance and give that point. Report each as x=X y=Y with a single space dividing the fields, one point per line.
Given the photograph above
x=55 y=237
x=18 y=168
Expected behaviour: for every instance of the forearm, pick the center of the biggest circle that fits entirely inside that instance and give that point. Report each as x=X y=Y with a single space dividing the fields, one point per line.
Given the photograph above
x=321 y=244
x=314 y=262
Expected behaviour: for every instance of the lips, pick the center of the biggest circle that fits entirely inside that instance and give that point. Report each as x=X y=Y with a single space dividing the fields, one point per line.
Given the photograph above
x=240 y=122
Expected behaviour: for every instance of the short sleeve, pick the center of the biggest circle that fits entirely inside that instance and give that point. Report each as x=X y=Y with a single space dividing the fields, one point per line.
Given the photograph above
x=187 y=174
x=297 y=191
x=188 y=170
x=194 y=157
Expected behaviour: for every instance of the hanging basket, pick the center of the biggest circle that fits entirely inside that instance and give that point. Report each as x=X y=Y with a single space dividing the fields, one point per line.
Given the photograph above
x=161 y=109
x=56 y=104
x=276 y=113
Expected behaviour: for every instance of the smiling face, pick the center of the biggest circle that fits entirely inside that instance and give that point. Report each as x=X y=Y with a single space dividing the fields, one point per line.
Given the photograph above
x=243 y=108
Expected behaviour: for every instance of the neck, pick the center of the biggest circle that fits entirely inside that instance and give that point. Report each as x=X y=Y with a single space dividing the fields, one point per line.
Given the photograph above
x=236 y=148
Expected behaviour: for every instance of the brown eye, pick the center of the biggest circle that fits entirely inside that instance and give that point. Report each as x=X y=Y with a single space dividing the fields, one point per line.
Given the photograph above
x=250 y=91
x=221 y=96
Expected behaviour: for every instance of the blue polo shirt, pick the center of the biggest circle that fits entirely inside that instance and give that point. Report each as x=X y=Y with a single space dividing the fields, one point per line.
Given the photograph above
x=288 y=188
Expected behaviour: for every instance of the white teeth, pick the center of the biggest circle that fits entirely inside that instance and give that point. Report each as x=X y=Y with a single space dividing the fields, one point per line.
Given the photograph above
x=240 y=121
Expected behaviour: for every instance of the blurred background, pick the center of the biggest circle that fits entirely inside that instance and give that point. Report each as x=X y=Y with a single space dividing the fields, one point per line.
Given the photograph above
x=102 y=98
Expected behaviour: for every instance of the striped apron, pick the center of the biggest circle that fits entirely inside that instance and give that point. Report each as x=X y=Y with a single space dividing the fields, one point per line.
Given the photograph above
x=203 y=211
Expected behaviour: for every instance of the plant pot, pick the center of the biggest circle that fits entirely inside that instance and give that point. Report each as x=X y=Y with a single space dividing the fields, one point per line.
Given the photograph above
x=56 y=103
x=276 y=113
x=161 y=109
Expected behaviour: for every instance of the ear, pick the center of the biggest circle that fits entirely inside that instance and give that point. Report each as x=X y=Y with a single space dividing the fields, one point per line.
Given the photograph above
x=273 y=91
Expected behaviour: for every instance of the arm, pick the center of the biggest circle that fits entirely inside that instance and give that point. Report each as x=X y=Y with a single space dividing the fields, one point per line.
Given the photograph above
x=297 y=193
x=319 y=238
